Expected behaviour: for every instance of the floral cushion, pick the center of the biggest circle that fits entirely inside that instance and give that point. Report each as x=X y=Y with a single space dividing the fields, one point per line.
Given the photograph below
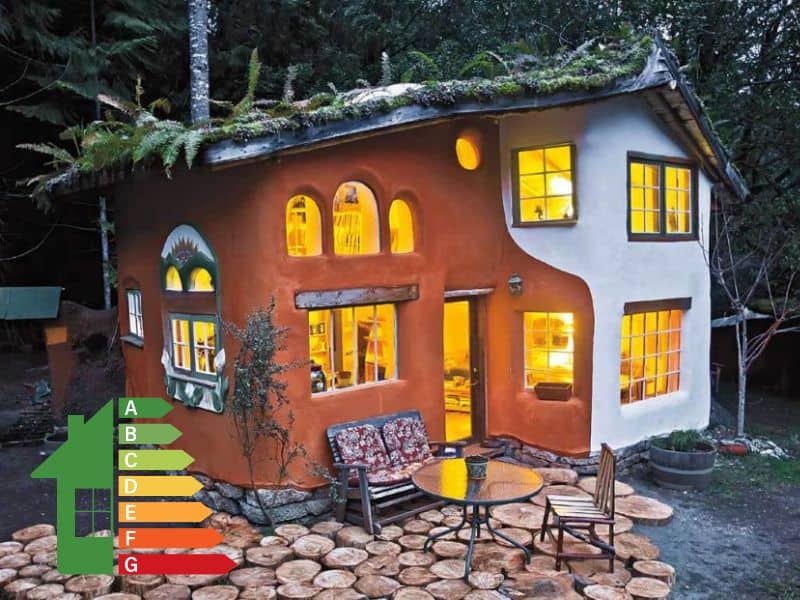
x=363 y=444
x=394 y=474
x=406 y=440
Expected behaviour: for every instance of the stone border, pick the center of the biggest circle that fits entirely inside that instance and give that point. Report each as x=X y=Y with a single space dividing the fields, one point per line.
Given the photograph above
x=529 y=455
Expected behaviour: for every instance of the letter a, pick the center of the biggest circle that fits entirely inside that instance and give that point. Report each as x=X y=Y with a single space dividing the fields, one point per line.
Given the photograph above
x=130 y=409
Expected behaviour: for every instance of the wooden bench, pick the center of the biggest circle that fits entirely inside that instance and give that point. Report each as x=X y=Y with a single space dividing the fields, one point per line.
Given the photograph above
x=374 y=459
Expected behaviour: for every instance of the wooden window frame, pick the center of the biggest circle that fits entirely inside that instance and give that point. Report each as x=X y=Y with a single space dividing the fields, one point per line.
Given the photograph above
x=515 y=192
x=548 y=350
x=135 y=335
x=662 y=162
x=192 y=318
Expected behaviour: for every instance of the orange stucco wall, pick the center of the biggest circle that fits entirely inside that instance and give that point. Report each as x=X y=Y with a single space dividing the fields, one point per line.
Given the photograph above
x=461 y=243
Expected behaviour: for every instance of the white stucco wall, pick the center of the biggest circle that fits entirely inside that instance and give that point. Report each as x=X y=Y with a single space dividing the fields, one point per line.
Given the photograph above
x=616 y=270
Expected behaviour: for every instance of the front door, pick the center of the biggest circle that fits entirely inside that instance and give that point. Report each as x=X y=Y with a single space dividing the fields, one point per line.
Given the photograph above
x=464 y=414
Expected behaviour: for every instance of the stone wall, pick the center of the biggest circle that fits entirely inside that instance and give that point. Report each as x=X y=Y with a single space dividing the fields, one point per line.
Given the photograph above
x=626 y=457
x=284 y=505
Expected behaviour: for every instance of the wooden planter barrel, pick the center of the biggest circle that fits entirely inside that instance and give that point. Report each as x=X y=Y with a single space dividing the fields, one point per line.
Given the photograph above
x=683 y=470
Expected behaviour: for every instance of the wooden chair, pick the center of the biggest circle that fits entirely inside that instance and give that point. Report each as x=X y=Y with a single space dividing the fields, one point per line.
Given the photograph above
x=572 y=514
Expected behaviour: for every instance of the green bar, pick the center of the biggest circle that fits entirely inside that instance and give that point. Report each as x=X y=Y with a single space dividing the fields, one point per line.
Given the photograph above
x=147 y=433
x=143 y=408
x=153 y=460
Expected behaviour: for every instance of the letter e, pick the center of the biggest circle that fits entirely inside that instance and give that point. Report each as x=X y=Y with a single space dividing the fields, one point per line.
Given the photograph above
x=130 y=512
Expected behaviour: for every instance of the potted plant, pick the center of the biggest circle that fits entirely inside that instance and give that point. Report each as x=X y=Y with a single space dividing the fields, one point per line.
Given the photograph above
x=682 y=460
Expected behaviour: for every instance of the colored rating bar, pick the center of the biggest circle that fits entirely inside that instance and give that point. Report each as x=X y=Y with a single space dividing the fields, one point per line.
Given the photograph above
x=153 y=460
x=169 y=537
x=174 y=564
x=147 y=433
x=142 y=408
x=158 y=485
x=162 y=512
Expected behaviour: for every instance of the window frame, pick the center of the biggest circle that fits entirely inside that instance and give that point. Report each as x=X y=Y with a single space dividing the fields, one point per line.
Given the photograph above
x=94 y=509
x=515 y=191
x=192 y=373
x=331 y=342
x=548 y=350
x=135 y=335
x=662 y=162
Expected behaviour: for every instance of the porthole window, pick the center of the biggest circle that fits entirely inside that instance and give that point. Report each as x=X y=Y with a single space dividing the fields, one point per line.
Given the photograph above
x=401 y=227
x=468 y=151
x=355 y=220
x=303 y=227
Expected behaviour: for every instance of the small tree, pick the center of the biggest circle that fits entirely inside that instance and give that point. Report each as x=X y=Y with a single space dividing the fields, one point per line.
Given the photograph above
x=260 y=408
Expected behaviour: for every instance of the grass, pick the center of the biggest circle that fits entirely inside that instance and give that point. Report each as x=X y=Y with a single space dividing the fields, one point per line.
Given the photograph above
x=784 y=590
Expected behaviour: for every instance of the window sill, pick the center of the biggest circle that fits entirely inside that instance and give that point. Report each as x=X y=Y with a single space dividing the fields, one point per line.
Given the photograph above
x=661 y=237
x=209 y=383
x=133 y=340
x=558 y=223
x=353 y=388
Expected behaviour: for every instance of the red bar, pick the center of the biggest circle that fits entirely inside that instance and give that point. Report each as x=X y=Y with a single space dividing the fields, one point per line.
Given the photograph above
x=174 y=564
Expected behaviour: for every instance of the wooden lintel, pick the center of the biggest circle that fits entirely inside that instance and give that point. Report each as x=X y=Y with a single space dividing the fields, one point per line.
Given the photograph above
x=464 y=293
x=355 y=296
x=656 y=305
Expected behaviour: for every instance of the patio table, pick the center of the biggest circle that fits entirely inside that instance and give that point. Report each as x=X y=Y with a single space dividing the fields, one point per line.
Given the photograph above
x=505 y=483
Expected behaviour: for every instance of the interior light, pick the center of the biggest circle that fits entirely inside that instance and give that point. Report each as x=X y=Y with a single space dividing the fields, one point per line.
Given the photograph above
x=560 y=186
x=468 y=151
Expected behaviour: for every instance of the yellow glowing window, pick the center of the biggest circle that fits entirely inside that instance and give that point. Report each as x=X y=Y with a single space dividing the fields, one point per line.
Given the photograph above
x=401 y=227
x=549 y=347
x=200 y=281
x=543 y=187
x=650 y=354
x=205 y=346
x=468 y=152
x=661 y=198
x=181 y=344
x=351 y=346
x=355 y=220
x=194 y=344
x=303 y=227
x=173 y=280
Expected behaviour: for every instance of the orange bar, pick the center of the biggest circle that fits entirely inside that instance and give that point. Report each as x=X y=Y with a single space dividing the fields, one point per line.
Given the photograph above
x=168 y=537
x=162 y=512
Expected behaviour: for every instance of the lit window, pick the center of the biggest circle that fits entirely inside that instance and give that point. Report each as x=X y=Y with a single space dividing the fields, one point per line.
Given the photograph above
x=468 y=152
x=543 y=190
x=661 y=200
x=401 y=227
x=200 y=281
x=135 y=321
x=355 y=220
x=303 y=227
x=351 y=346
x=173 y=280
x=549 y=347
x=194 y=344
x=650 y=354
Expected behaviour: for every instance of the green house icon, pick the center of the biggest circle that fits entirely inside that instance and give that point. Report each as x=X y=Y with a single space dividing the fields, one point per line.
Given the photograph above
x=84 y=470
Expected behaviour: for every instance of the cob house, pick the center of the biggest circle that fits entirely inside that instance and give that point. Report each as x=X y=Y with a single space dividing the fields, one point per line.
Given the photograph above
x=517 y=258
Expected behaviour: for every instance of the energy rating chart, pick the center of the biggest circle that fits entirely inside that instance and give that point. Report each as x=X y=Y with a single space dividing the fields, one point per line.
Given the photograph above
x=145 y=500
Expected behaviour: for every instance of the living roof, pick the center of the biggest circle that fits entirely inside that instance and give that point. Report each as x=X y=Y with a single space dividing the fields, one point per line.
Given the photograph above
x=633 y=63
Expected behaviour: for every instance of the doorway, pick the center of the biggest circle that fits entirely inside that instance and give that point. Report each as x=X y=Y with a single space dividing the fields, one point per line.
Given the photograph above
x=464 y=405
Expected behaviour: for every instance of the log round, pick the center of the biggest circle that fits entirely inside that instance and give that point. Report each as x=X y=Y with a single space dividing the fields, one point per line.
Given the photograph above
x=15 y=561
x=484 y=580
x=169 y=591
x=544 y=564
x=635 y=546
x=327 y=528
x=533 y=585
x=390 y=533
x=446 y=549
x=297 y=591
x=273 y=540
x=452 y=520
x=448 y=537
x=412 y=593
x=451 y=509
x=349 y=594
x=647 y=588
x=417 y=526
x=521 y=536
x=90 y=586
x=291 y=531
x=28 y=534
x=241 y=535
x=606 y=592
x=588 y=568
x=7 y=575
x=19 y=588
x=268 y=556
x=48 y=591
x=622 y=524
x=344 y=558
x=656 y=570
x=7 y=548
x=312 y=546
x=555 y=476
x=376 y=586
x=297 y=571
x=335 y=579
x=451 y=568
x=46 y=558
x=42 y=544
x=571 y=546
x=432 y=516
x=644 y=510
x=485 y=535
x=588 y=485
x=416 y=576
x=558 y=490
x=448 y=589
x=193 y=581
x=251 y=577
x=353 y=537
x=386 y=564
x=262 y=592
x=380 y=547
x=416 y=558
x=619 y=578
x=119 y=596
x=485 y=595
x=412 y=542
x=140 y=584
x=33 y=570
x=497 y=559
x=216 y=592
x=522 y=515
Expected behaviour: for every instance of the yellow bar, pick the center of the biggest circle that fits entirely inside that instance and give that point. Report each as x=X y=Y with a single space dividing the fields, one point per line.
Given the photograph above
x=162 y=512
x=157 y=485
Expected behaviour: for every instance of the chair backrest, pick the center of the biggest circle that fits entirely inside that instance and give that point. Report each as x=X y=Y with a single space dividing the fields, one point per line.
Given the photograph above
x=604 y=485
x=377 y=421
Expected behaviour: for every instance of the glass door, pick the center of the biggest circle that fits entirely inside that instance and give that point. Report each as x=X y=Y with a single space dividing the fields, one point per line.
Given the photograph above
x=462 y=389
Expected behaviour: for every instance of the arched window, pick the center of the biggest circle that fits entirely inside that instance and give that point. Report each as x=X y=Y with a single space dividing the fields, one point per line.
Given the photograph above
x=200 y=280
x=303 y=227
x=355 y=220
x=172 y=280
x=401 y=227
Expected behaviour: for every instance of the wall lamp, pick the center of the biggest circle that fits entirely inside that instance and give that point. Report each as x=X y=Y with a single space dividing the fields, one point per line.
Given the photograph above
x=515 y=285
